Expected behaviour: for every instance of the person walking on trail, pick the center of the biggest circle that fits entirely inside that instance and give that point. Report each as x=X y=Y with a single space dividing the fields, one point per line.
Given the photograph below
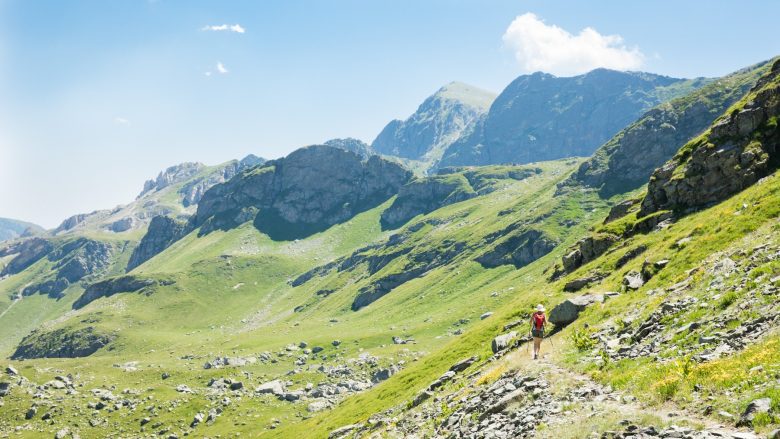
x=538 y=325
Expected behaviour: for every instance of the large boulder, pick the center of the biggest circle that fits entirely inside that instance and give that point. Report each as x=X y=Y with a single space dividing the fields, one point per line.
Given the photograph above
x=503 y=341
x=567 y=311
x=755 y=407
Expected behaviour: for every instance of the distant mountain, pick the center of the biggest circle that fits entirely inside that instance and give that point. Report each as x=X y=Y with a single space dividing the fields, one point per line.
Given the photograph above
x=11 y=228
x=544 y=117
x=439 y=120
x=627 y=160
x=175 y=191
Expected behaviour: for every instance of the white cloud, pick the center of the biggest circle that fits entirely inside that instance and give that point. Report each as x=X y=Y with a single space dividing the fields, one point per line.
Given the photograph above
x=225 y=27
x=221 y=68
x=207 y=73
x=549 y=48
x=121 y=121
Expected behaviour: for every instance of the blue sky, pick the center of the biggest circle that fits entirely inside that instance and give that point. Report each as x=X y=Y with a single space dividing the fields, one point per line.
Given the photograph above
x=97 y=96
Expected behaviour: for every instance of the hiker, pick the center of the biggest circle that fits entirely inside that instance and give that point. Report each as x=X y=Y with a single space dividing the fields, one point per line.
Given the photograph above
x=538 y=324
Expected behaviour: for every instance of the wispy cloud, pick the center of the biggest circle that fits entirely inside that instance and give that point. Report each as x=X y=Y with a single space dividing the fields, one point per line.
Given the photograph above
x=549 y=48
x=121 y=121
x=221 y=68
x=225 y=27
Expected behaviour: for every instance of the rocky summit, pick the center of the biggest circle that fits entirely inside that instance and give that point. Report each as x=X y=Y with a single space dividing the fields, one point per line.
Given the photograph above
x=440 y=120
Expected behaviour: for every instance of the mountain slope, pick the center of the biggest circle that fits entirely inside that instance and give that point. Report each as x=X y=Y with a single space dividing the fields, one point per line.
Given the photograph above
x=175 y=192
x=11 y=228
x=626 y=161
x=544 y=117
x=438 y=121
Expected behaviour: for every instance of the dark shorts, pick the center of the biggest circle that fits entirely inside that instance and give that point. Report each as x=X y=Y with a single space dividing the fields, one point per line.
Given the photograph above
x=538 y=333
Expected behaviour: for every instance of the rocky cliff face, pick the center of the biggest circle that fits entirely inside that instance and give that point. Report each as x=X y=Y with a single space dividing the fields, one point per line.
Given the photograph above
x=163 y=231
x=193 y=191
x=543 y=117
x=353 y=145
x=439 y=121
x=71 y=261
x=739 y=149
x=627 y=160
x=426 y=195
x=173 y=174
x=307 y=191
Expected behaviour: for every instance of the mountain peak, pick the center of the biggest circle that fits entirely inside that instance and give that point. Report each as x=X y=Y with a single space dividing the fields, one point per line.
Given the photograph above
x=467 y=94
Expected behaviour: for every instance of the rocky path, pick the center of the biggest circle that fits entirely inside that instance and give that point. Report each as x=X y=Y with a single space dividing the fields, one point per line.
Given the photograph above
x=573 y=405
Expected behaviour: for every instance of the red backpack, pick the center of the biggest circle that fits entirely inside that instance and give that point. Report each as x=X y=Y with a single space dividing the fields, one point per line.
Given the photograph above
x=539 y=320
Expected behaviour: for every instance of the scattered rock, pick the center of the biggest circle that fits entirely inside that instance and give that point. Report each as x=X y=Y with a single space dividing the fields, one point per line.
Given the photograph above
x=755 y=407
x=503 y=341
x=567 y=311
x=633 y=280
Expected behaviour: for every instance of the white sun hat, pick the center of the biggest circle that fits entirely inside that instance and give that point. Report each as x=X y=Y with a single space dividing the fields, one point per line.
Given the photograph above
x=540 y=307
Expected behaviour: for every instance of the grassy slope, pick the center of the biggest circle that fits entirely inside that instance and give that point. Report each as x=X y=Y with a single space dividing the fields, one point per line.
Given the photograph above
x=232 y=298
x=728 y=381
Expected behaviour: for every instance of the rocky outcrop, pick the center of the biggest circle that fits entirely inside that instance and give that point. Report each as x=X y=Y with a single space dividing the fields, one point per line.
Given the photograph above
x=115 y=285
x=739 y=149
x=27 y=253
x=439 y=121
x=61 y=343
x=310 y=190
x=163 y=231
x=352 y=145
x=587 y=249
x=424 y=195
x=193 y=191
x=627 y=160
x=82 y=257
x=567 y=311
x=542 y=117
x=418 y=265
x=519 y=249
x=171 y=175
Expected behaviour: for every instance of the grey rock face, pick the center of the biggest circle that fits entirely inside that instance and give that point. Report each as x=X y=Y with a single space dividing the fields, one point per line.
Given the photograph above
x=163 y=231
x=425 y=195
x=309 y=190
x=519 y=249
x=543 y=117
x=439 y=121
x=171 y=175
x=567 y=311
x=353 y=145
x=27 y=253
x=193 y=191
x=739 y=149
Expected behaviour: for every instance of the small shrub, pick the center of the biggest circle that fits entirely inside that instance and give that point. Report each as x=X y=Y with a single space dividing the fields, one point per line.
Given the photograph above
x=581 y=339
x=727 y=300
